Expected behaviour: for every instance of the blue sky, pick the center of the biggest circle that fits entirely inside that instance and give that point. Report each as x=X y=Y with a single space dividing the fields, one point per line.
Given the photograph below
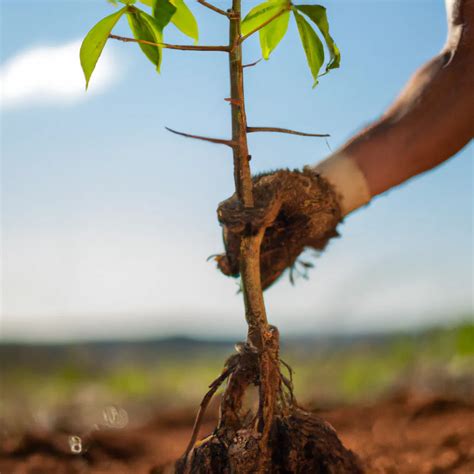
x=107 y=219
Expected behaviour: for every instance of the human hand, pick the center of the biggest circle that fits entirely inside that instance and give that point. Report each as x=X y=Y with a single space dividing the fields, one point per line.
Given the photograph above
x=297 y=209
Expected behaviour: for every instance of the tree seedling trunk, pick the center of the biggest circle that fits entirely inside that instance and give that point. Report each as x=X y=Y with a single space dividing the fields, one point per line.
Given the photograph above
x=279 y=437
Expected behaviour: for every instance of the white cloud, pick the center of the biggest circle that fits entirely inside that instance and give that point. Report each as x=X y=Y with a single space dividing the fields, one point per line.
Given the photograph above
x=51 y=75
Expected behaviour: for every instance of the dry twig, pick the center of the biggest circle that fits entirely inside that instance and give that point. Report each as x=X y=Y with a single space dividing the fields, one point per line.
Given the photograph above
x=285 y=130
x=219 y=141
x=252 y=64
x=213 y=8
x=180 y=47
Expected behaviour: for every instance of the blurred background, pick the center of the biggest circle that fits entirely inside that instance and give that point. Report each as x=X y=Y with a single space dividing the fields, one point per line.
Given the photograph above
x=110 y=311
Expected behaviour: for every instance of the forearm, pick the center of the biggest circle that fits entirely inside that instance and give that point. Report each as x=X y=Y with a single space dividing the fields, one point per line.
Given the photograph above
x=429 y=122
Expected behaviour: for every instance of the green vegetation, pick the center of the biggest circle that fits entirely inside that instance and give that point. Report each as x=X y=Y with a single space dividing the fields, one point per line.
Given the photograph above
x=326 y=371
x=270 y=19
x=367 y=370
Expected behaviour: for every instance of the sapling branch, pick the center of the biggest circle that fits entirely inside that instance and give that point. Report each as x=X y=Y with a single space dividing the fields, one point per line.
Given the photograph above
x=213 y=8
x=251 y=65
x=285 y=130
x=219 y=141
x=180 y=47
x=260 y=335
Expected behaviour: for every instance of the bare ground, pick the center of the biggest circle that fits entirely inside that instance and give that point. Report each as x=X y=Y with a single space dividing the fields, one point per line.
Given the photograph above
x=405 y=434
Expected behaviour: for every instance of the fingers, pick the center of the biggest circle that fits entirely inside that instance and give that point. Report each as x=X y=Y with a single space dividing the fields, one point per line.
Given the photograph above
x=297 y=210
x=230 y=262
x=272 y=265
x=279 y=252
x=236 y=218
x=319 y=244
x=225 y=265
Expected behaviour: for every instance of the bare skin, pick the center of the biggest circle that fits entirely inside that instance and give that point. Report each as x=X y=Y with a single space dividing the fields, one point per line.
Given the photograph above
x=430 y=121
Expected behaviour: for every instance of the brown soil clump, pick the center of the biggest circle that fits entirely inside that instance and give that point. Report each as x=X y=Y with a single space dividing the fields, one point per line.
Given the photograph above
x=301 y=443
x=299 y=209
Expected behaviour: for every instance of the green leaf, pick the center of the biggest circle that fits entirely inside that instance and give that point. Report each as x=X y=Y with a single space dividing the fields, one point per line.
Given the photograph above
x=94 y=43
x=128 y=2
x=312 y=46
x=148 y=3
x=144 y=27
x=273 y=33
x=260 y=14
x=317 y=14
x=163 y=11
x=184 y=20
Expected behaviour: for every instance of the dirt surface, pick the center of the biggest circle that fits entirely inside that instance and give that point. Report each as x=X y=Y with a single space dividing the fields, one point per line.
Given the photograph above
x=400 y=435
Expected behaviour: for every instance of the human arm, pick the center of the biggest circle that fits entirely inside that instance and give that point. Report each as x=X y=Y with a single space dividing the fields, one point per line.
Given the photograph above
x=430 y=121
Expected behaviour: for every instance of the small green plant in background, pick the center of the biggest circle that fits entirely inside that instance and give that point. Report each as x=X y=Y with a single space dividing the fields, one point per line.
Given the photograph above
x=465 y=340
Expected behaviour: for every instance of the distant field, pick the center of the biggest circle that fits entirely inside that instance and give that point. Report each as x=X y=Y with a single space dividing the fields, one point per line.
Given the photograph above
x=44 y=384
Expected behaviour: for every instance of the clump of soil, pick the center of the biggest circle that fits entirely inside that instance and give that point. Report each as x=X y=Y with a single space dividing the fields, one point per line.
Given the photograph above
x=283 y=201
x=301 y=443
x=277 y=436
x=403 y=435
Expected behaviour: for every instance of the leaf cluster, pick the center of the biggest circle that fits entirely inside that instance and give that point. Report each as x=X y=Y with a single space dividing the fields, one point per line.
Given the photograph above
x=270 y=19
x=145 y=27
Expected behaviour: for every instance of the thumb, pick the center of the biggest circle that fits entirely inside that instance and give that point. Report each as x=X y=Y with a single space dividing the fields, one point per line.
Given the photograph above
x=229 y=262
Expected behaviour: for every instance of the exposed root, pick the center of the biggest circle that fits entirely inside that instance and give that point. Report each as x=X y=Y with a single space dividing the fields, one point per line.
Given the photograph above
x=300 y=442
x=205 y=402
x=279 y=438
x=288 y=383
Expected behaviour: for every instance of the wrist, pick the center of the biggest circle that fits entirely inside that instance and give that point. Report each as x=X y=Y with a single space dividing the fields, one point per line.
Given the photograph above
x=347 y=180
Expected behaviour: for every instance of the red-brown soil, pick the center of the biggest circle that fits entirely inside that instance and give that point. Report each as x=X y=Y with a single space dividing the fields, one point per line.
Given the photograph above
x=400 y=435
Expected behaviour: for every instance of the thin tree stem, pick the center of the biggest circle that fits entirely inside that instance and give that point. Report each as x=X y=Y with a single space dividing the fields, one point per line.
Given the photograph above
x=180 y=47
x=259 y=333
x=285 y=130
x=213 y=8
x=250 y=258
x=242 y=176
